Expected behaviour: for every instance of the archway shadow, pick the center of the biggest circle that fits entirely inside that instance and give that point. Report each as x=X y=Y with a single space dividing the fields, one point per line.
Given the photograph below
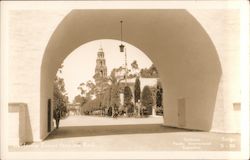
x=105 y=130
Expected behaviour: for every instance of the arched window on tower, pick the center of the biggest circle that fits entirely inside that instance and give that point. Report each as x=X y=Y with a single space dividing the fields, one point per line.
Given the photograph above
x=101 y=73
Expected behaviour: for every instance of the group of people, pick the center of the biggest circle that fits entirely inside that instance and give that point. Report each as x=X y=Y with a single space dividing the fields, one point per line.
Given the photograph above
x=138 y=108
x=131 y=110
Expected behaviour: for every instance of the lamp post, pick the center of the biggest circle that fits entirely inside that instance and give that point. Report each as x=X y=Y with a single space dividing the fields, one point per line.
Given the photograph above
x=121 y=46
x=126 y=68
x=123 y=49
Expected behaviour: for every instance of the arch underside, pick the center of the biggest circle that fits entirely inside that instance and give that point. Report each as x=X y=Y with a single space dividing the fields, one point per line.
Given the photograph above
x=176 y=43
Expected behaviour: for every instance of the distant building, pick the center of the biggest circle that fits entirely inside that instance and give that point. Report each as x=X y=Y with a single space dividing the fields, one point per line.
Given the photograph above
x=120 y=73
x=101 y=68
x=151 y=82
x=74 y=109
x=100 y=75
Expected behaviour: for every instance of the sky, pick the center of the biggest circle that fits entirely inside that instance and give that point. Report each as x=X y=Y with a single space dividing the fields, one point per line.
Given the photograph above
x=79 y=66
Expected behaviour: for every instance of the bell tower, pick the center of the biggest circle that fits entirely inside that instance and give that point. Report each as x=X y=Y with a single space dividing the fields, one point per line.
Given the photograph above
x=101 y=68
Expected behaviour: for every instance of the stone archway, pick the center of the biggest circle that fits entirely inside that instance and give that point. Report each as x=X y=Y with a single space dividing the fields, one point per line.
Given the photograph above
x=176 y=43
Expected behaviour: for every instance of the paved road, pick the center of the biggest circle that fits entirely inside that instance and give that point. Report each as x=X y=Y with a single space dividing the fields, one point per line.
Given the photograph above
x=86 y=133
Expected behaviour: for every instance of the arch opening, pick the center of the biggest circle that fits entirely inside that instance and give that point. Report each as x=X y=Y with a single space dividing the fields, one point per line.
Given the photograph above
x=83 y=94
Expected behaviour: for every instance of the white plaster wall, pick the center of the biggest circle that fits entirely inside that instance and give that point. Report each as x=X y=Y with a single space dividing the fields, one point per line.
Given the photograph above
x=223 y=28
x=19 y=131
x=13 y=136
x=29 y=32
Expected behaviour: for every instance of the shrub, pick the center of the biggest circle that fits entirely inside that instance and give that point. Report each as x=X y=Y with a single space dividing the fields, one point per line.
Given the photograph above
x=147 y=99
x=137 y=90
x=159 y=95
x=127 y=95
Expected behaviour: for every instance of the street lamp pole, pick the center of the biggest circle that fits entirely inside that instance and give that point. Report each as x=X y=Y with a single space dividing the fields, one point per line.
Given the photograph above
x=123 y=49
x=126 y=68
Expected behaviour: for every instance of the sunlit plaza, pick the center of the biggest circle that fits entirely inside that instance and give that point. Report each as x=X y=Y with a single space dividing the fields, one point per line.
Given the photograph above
x=88 y=133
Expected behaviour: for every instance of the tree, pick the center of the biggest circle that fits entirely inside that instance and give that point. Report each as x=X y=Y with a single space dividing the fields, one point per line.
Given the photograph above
x=106 y=97
x=81 y=88
x=90 y=89
x=86 y=89
x=137 y=90
x=153 y=71
x=115 y=96
x=150 y=72
x=93 y=105
x=114 y=92
x=79 y=99
x=127 y=95
x=153 y=90
x=60 y=100
x=159 y=95
x=127 y=99
x=134 y=65
x=135 y=70
x=147 y=99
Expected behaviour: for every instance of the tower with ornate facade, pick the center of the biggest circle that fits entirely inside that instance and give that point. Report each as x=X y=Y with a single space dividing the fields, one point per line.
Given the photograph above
x=101 y=68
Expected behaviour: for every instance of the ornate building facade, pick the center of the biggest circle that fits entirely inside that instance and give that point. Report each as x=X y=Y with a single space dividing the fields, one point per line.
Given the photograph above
x=101 y=68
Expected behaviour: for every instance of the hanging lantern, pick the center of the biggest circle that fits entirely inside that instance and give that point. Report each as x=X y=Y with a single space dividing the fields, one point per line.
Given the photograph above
x=121 y=48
